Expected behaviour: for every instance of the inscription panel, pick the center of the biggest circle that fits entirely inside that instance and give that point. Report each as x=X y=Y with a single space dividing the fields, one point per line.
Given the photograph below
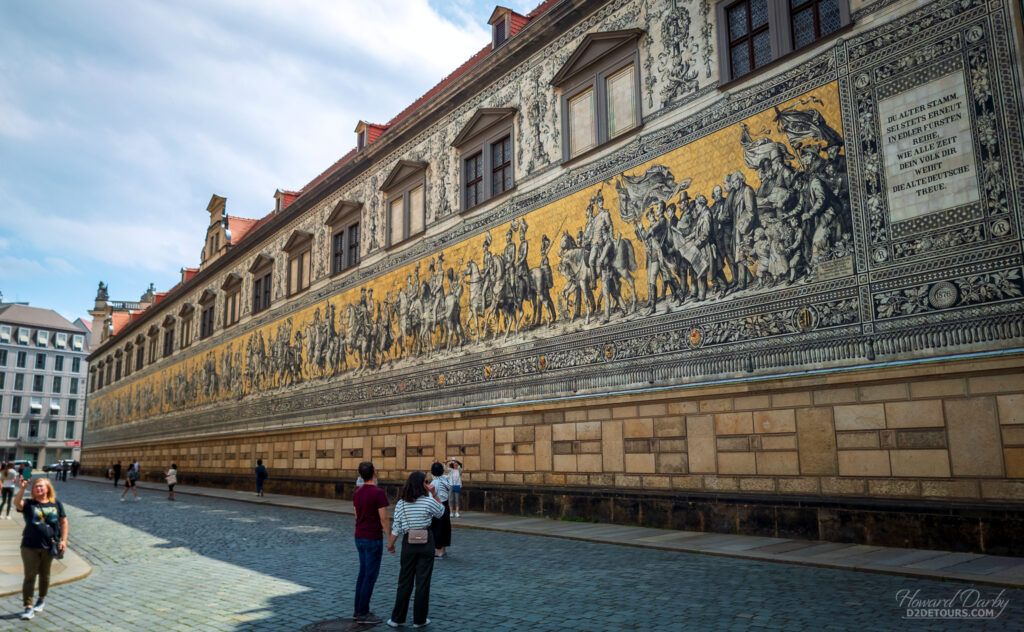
x=929 y=149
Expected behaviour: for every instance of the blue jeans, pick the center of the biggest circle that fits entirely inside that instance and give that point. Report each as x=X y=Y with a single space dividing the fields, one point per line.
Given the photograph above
x=370 y=552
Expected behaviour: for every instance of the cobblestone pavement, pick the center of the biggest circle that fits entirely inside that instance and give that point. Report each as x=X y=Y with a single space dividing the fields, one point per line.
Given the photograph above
x=201 y=564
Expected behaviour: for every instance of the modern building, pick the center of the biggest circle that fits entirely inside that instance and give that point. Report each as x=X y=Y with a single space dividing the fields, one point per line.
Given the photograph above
x=747 y=265
x=43 y=366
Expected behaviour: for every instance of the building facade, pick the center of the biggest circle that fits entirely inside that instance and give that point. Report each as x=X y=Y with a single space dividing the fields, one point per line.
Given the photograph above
x=43 y=366
x=743 y=266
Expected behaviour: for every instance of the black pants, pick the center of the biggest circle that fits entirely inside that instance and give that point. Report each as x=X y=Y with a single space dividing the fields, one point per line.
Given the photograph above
x=442 y=528
x=418 y=565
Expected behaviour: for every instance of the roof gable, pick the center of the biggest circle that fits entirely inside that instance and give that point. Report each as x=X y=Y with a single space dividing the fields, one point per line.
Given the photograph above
x=594 y=47
x=298 y=239
x=404 y=169
x=482 y=120
x=261 y=261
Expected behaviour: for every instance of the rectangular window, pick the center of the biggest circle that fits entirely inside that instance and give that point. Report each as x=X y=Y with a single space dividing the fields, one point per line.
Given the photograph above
x=397 y=217
x=109 y=377
x=117 y=370
x=69 y=427
x=127 y=362
x=58 y=383
x=501 y=166
x=416 y=208
x=3 y=357
x=261 y=293
x=5 y=333
x=168 y=342
x=42 y=338
x=754 y=33
x=353 y=245
x=3 y=380
x=582 y=133
x=16 y=404
x=22 y=360
x=206 y=322
x=51 y=431
x=58 y=363
x=19 y=381
x=473 y=174
x=73 y=386
x=231 y=308
x=72 y=407
x=37 y=383
x=60 y=340
x=152 y=351
x=40 y=361
x=12 y=429
x=77 y=342
x=76 y=365
x=24 y=335
x=621 y=102
x=298 y=272
x=139 y=357
x=33 y=429
x=35 y=405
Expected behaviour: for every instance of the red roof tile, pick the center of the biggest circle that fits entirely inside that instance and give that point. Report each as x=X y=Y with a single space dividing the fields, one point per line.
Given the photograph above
x=240 y=226
x=191 y=272
x=120 y=319
x=287 y=197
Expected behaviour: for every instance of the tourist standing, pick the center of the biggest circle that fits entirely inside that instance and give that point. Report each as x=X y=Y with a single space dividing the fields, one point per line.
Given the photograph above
x=370 y=504
x=129 y=483
x=172 y=480
x=75 y=465
x=9 y=479
x=441 y=526
x=417 y=505
x=261 y=475
x=117 y=472
x=46 y=533
x=455 y=498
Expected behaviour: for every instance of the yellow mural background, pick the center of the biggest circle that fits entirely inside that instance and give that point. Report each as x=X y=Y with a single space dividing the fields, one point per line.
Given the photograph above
x=705 y=161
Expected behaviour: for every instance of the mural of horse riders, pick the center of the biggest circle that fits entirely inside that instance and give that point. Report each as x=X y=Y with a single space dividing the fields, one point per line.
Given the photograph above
x=769 y=223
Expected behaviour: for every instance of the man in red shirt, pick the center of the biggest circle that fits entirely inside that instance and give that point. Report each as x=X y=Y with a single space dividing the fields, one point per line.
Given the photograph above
x=372 y=522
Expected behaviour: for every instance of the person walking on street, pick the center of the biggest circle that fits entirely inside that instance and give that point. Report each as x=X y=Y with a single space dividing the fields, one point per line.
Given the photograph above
x=371 y=507
x=45 y=535
x=261 y=475
x=129 y=483
x=74 y=469
x=417 y=505
x=442 y=526
x=455 y=476
x=9 y=479
x=117 y=472
x=172 y=480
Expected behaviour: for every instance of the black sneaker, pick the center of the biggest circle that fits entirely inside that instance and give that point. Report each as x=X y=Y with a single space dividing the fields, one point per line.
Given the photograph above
x=369 y=619
x=40 y=604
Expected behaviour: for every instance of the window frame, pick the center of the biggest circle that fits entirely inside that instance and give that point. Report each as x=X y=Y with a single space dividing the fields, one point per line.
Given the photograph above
x=485 y=129
x=207 y=314
x=232 y=289
x=38 y=383
x=69 y=427
x=780 y=34
x=40 y=360
x=299 y=271
x=262 y=271
x=599 y=57
x=345 y=217
x=405 y=178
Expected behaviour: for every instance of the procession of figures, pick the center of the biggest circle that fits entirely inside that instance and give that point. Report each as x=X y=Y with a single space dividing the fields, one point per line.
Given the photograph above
x=696 y=248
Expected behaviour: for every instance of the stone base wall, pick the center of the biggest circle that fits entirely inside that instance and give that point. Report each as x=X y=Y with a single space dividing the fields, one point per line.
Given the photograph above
x=928 y=454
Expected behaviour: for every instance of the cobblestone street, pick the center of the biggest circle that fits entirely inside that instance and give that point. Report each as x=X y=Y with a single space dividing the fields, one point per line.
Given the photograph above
x=201 y=564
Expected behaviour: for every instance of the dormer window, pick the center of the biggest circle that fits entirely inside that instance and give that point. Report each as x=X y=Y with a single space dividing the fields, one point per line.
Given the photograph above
x=361 y=139
x=499 y=33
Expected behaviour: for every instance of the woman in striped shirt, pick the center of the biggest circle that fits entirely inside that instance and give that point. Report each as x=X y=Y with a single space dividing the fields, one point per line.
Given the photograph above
x=442 y=527
x=417 y=505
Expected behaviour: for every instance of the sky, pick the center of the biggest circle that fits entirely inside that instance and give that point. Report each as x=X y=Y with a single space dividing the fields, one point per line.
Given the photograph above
x=119 y=119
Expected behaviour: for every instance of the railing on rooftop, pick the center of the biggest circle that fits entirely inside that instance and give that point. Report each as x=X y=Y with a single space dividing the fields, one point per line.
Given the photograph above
x=126 y=305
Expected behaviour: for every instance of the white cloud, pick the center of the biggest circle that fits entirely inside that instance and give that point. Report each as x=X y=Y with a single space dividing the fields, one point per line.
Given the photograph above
x=19 y=268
